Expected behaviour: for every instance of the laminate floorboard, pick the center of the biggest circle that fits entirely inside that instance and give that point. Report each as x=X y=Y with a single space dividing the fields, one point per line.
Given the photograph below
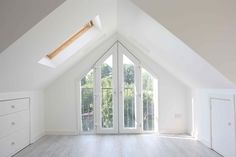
x=116 y=146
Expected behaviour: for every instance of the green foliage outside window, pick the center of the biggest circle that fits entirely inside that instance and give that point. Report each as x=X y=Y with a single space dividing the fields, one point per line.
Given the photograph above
x=148 y=102
x=87 y=107
x=129 y=96
x=107 y=108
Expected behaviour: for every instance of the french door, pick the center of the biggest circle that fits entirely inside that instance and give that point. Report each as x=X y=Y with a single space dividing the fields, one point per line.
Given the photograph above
x=106 y=93
x=113 y=102
x=129 y=77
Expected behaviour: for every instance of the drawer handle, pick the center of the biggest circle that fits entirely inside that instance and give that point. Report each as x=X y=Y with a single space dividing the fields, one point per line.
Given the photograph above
x=13 y=123
x=12 y=143
x=12 y=106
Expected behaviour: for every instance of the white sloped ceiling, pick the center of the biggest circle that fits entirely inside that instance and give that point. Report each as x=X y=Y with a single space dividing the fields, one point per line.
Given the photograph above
x=161 y=45
x=19 y=66
x=17 y=17
x=208 y=27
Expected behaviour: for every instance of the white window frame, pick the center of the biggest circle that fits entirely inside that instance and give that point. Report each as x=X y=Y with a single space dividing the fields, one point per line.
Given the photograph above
x=98 y=123
x=118 y=95
x=137 y=74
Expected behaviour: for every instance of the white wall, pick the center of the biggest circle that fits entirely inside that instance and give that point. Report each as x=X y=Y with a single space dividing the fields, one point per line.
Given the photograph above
x=61 y=103
x=36 y=110
x=201 y=108
x=190 y=113
x=173 y=116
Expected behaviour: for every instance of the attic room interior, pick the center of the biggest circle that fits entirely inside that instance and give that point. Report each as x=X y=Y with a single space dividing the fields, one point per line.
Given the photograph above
x=85 y=78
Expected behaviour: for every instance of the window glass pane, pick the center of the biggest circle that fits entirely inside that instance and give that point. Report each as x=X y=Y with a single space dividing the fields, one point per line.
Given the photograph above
x=87 y=106
x=129 y=93
x=106 y=89
x=148 y=101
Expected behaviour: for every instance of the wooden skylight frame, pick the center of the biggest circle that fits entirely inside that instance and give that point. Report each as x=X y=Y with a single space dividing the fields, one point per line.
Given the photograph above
x=69 y=41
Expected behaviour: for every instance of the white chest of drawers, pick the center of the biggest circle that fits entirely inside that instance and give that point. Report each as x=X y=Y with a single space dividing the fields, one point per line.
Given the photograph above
x=14 y=126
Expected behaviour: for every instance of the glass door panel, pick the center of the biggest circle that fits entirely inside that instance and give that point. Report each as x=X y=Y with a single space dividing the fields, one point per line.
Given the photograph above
x=106 y=91
x=87 y=105
x=129 y=93
x=149 y=91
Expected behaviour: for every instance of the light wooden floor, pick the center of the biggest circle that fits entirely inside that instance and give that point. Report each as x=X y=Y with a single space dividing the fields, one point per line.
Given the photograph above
x=116 y=146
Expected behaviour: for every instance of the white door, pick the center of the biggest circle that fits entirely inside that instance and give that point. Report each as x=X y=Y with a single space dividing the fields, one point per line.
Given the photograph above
x=129 y=92
x=223 y=126
x=106 y=93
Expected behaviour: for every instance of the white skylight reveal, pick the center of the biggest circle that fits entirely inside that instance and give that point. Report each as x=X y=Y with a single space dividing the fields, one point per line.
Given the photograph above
x=72 y=45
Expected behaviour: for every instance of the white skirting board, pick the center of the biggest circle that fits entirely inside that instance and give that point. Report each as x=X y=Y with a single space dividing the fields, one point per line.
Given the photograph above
x=34 y=139
x=205 y=142
x=59 y=132
x=170 y=131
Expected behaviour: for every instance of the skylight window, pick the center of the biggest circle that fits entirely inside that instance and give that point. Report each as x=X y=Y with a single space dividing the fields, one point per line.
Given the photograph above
x=83 y=30
x=86 y=33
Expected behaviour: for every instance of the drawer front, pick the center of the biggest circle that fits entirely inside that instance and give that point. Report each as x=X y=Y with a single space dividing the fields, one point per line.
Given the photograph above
x=6 y=147
x=14 y=143
x=13 y=122
x=12 y=106
x=20 y=140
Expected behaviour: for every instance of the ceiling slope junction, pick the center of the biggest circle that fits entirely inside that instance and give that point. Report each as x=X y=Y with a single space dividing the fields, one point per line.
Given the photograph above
x=120 y=20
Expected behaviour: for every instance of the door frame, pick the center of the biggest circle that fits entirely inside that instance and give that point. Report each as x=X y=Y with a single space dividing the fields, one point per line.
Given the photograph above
x=137 y=82
x=226 y=97
x=97 y=99
x=78 y=96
